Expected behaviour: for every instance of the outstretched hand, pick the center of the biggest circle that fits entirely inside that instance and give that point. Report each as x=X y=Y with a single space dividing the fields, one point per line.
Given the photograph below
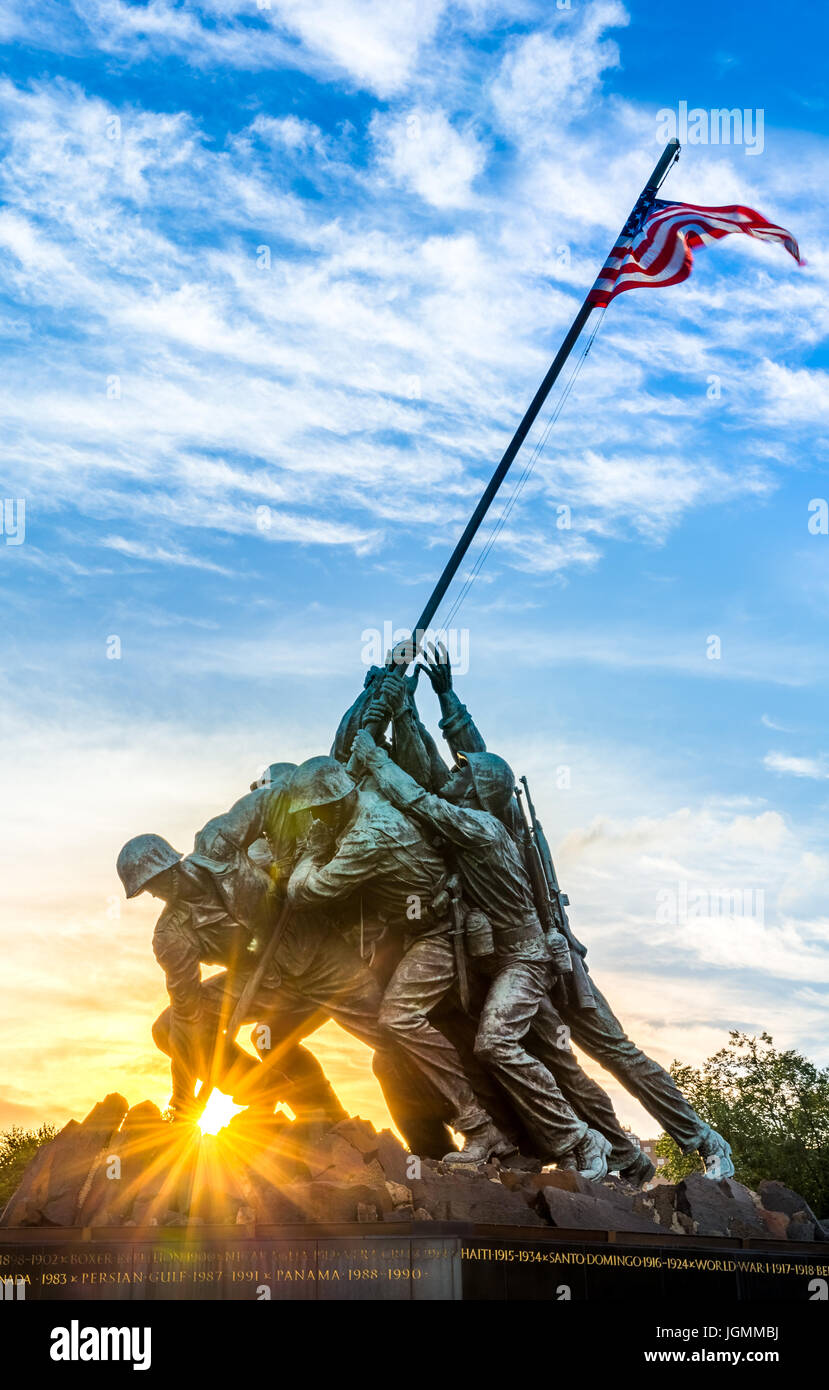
x=361 y=749
x=376 y=713
x=395 y=689
x=388 y=700
x=437 y=667
x=319 y=841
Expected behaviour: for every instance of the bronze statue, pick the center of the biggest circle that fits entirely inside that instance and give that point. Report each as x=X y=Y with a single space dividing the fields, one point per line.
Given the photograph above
x=470 y=1002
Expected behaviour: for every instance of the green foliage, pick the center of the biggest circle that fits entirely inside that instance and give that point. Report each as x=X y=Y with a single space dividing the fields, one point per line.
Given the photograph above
x=771 y=1106
x=677 y=1164
x=17 y=1148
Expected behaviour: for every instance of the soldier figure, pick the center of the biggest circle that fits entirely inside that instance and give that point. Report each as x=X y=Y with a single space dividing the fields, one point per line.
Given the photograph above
x=518 y=966
x=220 y=908
x=595 y=1029
x=373 y=848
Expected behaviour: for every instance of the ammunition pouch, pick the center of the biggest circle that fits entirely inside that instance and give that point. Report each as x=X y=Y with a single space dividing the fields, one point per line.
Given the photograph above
x=480 y=940
x=560 y=958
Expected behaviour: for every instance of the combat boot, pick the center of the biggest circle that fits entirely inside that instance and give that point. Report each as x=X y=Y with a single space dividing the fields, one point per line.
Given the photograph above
x=591 y=1155
x=637 y=1173
x=480 y=1144
x=715 y=1153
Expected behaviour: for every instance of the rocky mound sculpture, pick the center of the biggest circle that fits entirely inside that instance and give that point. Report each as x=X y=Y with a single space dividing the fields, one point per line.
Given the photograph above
x=126 y=1167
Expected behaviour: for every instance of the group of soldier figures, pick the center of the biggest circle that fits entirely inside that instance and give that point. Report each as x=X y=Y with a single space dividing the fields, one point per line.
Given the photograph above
x=405 y=910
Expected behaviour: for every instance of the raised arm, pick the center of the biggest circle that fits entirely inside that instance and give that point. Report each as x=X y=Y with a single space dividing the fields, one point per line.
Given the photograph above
x=237 y=828
x=412 y=746
x=355 y=714
x=320 y=877
x=466 y=829
x=459 y=728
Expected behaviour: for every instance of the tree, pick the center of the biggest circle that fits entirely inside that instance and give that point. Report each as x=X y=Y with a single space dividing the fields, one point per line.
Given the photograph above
x=771 y=1106
x=17 y=1148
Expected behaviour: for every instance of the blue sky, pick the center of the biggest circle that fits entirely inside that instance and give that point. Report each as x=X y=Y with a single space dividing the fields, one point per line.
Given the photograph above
x=315 y=260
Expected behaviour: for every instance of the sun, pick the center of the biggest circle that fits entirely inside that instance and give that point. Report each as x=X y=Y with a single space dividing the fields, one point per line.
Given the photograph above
x=218 y=1112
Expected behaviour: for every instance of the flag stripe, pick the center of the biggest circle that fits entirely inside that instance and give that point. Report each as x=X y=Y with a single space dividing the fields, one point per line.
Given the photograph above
x=661 y=251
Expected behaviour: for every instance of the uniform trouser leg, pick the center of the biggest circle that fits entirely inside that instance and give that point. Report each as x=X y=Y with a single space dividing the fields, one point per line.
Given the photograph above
x=336 y=984
x=227 y=1064
x=419 y=1110
x=286 y=1071
x=343 y=987
x=308 y=1088
x=548 y=1041
x=461 y=1029
x=602 y=1036
x=510 y=1007
x=424 y=977
x=339 y=982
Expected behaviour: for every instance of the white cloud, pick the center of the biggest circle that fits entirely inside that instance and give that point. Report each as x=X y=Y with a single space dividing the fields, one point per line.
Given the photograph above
x=771 y=724
x=376 y=43
x=705 y=884
x=649 y=492
x=422 y=151
x=547 y=80
x=365 y=42
x=815 y=768
x=794 y=394
x=159 y=554
x=290 y=133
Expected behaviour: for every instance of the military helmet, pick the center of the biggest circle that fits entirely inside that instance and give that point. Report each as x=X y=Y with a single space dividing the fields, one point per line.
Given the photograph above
x=493 y=780
x=276 y=774
x=143 y=858
x=319 y=781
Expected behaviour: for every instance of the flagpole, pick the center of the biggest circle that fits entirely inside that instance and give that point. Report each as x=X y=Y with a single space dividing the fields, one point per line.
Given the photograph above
x=410 y=649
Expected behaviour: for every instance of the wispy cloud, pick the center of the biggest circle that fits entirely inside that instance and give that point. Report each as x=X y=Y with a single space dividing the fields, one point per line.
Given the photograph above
x=815 y=768
x=157 y=554
x=548 y=79
x=770 y=723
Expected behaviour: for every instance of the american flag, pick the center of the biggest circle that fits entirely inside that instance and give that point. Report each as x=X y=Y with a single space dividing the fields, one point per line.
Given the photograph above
x=657 y=244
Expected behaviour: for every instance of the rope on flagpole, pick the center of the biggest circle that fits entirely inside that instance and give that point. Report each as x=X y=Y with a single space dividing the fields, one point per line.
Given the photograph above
x=525 y=475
